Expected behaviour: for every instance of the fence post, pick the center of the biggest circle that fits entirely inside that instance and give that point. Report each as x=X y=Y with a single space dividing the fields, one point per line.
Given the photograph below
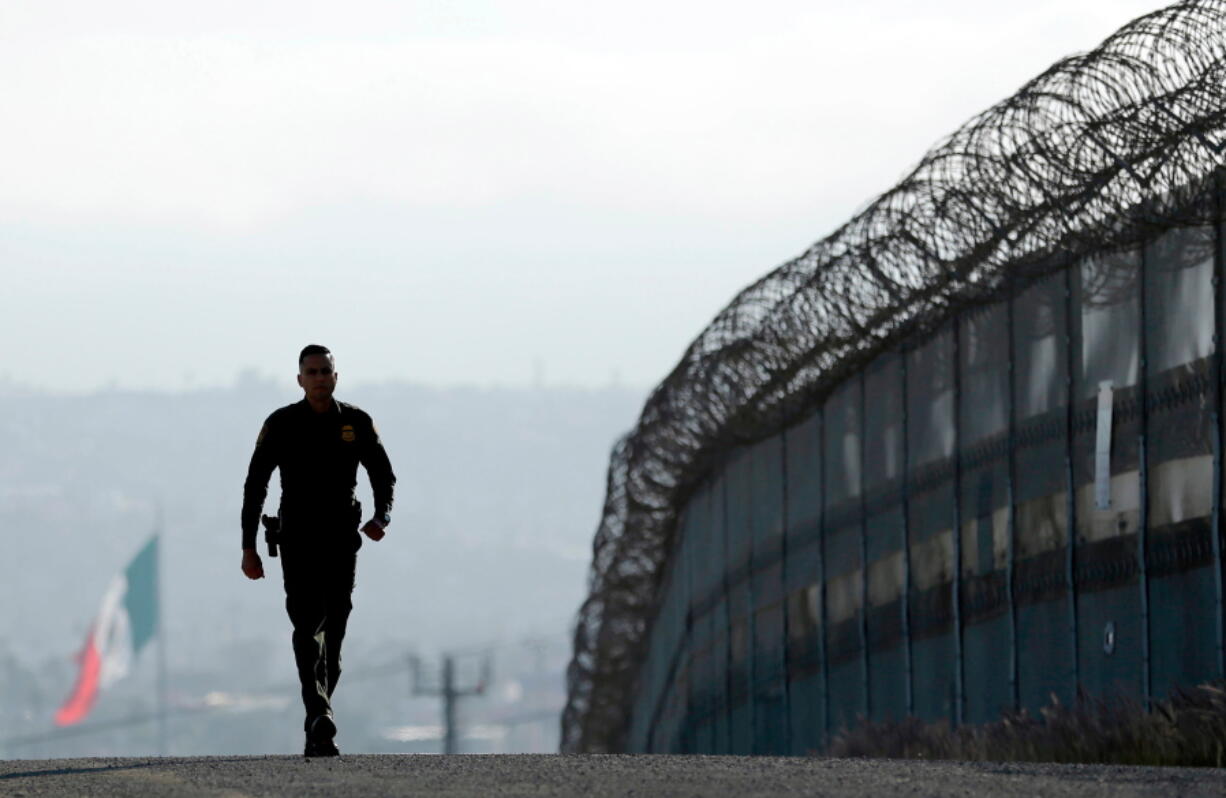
x=864 y=655
x=956 y=579
x=1010 y=496
x=1072 y=272
x=906 y=538
x=785 y=525
x=751 y=621
x=1215 y=392
x=1143 y=472
x=723 y=517
x=823 y=661
x=688 y=716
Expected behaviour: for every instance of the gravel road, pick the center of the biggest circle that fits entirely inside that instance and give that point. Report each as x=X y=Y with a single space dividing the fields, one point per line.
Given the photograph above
x=586 y=776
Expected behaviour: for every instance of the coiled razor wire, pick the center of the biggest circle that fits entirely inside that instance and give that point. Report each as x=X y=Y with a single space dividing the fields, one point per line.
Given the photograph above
x=1054 y=172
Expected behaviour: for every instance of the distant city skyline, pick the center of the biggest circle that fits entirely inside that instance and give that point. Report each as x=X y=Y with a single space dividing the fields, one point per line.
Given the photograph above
x=500 y=194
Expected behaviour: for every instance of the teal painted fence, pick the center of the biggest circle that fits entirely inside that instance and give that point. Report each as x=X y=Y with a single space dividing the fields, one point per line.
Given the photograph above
x=927 y=542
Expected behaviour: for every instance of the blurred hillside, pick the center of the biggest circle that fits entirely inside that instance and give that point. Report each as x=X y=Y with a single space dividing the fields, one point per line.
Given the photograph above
x=499 y=493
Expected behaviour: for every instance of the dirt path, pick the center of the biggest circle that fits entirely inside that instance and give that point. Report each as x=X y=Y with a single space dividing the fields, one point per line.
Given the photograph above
x=586 y=776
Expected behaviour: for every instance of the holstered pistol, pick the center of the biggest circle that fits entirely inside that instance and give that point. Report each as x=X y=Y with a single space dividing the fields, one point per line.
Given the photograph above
x=272 y=533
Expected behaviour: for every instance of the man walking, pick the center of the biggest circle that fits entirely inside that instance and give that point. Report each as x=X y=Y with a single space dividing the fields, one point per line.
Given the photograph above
x=317 y=443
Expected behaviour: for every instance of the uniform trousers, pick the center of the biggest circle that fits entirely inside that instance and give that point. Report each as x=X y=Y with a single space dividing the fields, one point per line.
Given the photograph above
x=319 y=579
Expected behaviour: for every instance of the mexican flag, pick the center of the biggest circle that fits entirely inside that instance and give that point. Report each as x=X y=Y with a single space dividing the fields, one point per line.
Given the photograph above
x=126 y=621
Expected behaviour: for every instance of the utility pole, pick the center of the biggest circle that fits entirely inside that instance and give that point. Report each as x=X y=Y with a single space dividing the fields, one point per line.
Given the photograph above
x=447 y=690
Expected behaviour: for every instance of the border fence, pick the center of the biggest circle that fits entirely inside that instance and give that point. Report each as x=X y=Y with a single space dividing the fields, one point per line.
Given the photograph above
x=962 y=455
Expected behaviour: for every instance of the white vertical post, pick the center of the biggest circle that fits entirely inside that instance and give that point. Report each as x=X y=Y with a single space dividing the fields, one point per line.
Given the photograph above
x=1102 y=446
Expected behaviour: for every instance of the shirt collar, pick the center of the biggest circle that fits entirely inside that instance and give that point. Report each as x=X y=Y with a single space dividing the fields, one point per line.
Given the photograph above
x=306 y=406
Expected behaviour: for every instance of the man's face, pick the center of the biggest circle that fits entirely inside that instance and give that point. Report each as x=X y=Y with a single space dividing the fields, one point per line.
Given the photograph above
x=317 y=377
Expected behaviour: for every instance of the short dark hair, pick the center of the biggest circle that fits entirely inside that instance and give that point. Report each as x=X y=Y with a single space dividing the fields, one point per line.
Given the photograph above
x=312 y=349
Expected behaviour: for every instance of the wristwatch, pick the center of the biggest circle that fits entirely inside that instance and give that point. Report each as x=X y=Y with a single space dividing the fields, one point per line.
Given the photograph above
x=384 y=519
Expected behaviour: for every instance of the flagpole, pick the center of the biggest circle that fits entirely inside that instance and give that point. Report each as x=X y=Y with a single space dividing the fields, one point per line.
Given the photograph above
x=161 y=633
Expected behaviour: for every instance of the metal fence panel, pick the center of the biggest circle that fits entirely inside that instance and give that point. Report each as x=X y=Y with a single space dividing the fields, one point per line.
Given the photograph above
x=1110 y=322
x=1042 y=558
x=769 y=639
x=883 y=429
x=931 y=519
x=984 y=436
x=885 y=537
x=721 y=653
x=887 y=652
x=685 y=625
x=705 y=586
x=738 y=488
x=803 y=581
x=1106 y=322
x=1179 y=329
x=668 y=657
x=842 y=540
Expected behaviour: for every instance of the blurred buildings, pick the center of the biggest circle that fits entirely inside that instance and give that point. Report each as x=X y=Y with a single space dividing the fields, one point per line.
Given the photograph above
x=489 y=548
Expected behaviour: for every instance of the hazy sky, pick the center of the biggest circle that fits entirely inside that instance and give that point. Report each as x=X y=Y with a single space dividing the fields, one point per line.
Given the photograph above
x=454 y=192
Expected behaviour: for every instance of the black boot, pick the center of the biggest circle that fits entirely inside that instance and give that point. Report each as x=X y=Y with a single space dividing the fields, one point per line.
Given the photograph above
x=319 y=738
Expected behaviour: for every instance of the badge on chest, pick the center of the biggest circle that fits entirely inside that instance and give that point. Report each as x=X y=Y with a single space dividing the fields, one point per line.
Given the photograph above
x=347 y=433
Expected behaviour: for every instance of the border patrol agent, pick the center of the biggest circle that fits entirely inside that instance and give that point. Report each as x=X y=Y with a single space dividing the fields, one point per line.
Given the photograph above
x=317 y=444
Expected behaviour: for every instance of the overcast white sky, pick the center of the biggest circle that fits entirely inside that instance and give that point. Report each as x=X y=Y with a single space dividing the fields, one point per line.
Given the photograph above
x=454 y=192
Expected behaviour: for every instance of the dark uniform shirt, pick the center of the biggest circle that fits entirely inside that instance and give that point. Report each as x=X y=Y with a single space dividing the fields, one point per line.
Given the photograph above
x=318 y=455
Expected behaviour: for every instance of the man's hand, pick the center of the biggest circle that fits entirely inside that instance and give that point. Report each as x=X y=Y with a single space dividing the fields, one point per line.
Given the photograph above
x=373 y=529
x=253 y=568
